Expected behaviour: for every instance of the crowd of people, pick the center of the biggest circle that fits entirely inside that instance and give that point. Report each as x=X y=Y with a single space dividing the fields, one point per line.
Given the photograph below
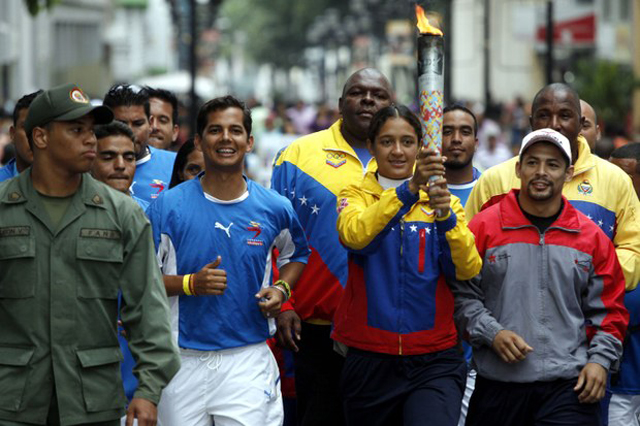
x=343 y=274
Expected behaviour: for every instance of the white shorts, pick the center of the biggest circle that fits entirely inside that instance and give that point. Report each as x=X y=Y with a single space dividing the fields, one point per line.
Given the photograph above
x=232 y=387
x=468 y=391
x=624 y=410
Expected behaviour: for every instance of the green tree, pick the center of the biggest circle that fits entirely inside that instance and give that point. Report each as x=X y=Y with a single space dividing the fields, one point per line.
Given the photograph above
x=35 y=6
x=276 y=30
x=608 y=87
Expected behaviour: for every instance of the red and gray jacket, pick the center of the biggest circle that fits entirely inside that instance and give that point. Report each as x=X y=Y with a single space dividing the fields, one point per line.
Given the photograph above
x=561 y=290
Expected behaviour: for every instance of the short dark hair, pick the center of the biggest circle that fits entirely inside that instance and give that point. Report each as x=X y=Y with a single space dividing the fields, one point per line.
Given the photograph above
x=24 y=103
x=166 y=96
x=554 y=87
x=393 y=111
x=127 y=95
x=181 y=160
x=115 y=128
x=458 y=107
x=222 y=103
x=630 y=151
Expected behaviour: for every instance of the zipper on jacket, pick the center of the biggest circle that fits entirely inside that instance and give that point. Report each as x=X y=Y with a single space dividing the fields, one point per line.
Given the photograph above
x=421 y=256
x=401 y=286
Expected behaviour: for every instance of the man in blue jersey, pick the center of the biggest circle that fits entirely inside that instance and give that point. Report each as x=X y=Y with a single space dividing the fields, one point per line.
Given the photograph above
x=18 y=137
x=459 y=144
x=215 y=236
x=130 y=104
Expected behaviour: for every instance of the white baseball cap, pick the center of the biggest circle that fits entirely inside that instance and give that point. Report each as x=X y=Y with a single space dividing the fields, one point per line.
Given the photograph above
x=547 y=135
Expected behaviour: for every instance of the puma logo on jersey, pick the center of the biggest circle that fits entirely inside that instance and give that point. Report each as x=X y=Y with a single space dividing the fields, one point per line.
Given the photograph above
x=225 y=229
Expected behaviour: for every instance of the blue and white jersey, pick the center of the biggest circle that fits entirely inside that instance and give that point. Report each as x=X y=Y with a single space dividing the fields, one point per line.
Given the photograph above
x=463 y=190
x=9 y=170
x=144 y=205
x=191 y=229
x=153 y=174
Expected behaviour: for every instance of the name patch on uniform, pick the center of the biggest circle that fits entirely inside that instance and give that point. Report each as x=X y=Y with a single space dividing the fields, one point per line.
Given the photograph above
x=15 y=231
x=108 y=234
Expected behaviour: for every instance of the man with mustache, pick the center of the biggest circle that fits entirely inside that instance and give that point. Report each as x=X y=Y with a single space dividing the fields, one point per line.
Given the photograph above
x=459 y=145
x=545 y=316
x=311 y=172
x=115 y=162
x=598 y=188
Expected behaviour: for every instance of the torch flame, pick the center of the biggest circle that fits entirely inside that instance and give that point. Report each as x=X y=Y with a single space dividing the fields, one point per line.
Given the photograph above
x=423 y=23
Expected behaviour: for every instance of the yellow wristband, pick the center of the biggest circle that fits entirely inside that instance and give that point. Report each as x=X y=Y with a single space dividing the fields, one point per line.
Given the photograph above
x=283 y=285
x=185 y=285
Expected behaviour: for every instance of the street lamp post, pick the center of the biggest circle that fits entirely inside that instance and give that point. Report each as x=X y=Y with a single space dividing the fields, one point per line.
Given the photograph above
x=193 y=105
x=549 y=40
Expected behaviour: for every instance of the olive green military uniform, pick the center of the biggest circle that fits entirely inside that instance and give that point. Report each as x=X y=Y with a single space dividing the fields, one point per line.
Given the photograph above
x=59 y=305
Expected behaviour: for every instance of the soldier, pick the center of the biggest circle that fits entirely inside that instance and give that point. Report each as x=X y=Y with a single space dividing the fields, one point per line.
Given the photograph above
x=68 y=244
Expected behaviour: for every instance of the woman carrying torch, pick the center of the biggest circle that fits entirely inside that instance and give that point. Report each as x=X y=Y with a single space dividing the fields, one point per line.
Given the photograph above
x=396 y=314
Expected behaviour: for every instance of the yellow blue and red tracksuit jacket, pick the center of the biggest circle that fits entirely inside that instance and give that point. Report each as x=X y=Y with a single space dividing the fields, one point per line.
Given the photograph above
x=311 y=172
x=599 y=189
x=396 y=300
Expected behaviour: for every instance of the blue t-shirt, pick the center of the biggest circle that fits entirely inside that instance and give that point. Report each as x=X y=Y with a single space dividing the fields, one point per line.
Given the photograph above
x=363 y=155
x=191 y=229
x=462 y=191
x=153 y=174
x=142 y=203
x=9 y=170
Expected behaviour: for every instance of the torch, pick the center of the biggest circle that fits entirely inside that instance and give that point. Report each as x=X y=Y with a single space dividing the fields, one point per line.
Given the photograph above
x=430 y=83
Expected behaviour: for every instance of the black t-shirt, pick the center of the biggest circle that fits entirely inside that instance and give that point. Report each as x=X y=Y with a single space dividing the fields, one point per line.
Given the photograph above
x=542 y=223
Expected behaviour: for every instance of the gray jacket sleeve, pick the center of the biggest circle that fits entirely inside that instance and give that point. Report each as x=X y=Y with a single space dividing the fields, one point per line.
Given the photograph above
x=479 y=327
x=145 y=314
x=603 y=308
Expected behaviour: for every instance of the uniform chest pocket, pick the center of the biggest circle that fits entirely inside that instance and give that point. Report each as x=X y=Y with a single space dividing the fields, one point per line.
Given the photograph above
x=99 y=264
x=18 y=271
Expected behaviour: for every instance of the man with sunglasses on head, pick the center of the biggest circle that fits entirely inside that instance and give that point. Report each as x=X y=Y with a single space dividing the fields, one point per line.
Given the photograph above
x=130 y=104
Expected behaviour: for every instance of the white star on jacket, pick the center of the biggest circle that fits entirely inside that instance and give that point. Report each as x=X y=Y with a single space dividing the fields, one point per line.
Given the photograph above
x=414 y=228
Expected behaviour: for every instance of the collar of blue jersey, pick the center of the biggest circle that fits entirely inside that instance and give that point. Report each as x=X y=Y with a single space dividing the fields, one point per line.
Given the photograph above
x=586 y=160
x=13 y=166
x=147 y=156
